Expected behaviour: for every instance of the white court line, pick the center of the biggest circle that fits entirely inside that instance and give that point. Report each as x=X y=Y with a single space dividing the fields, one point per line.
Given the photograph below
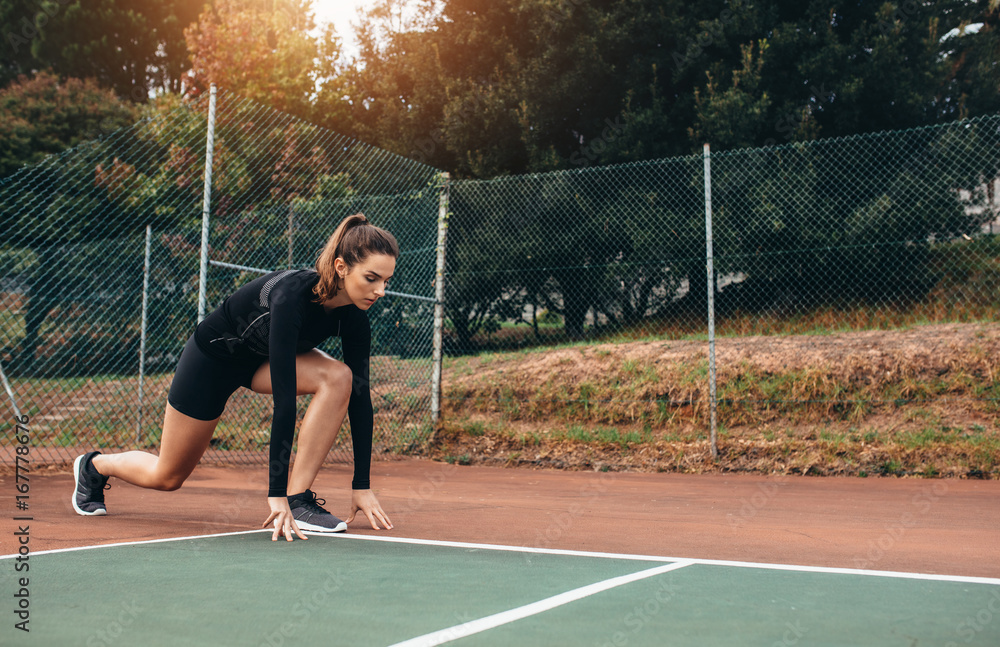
x=135 y=543
x=573 y=553
x=659 y=558
x=513 y=549
x=505 y=617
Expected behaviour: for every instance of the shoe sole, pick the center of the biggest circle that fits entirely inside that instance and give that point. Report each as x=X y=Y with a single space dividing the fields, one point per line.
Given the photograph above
x=77 y=466
x=340 y=527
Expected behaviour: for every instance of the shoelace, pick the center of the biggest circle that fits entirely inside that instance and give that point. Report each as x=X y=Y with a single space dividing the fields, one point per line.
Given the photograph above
x=92 y=479
x=312 y=503
x=99 y=495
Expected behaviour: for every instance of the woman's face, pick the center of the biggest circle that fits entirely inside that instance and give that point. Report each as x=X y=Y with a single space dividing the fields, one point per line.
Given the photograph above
x=366 y=282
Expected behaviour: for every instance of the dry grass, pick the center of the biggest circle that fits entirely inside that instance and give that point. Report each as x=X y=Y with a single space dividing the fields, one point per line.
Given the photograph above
x=922 y=401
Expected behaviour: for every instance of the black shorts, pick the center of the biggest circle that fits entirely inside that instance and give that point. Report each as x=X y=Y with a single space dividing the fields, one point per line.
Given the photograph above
x=202 y=384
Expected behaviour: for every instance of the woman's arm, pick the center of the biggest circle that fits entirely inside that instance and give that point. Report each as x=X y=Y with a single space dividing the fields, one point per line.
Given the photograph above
x=356 y=337
x=286 y=321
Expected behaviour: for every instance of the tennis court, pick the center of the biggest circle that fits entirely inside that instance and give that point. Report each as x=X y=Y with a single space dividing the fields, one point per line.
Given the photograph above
x=242 y=589
x=488 y=556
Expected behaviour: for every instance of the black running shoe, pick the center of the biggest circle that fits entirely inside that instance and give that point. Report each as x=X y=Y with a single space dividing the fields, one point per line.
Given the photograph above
x=88 y=498
x=310 y=516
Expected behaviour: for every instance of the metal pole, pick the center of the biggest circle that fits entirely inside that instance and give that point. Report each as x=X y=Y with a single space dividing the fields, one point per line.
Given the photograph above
x=142 y=333
x=10 y=392
x=206 y=206
x=291 y=234
x=258 y=270
x=436 y=355
x=710 y=269
x=992 y=194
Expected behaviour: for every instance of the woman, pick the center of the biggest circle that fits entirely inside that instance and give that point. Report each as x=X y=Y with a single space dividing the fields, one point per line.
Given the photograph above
x=264 y=337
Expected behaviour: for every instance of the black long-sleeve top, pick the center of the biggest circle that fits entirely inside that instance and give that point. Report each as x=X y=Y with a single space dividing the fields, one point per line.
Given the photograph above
x=273 y=318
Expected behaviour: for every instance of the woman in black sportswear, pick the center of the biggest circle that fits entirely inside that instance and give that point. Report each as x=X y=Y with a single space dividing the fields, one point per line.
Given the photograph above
x=264 y=337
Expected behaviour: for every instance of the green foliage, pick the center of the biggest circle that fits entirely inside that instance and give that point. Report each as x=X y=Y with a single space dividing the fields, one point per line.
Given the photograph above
x=569 y=242
x=487 y=89
x=508 y=86
x=737 y=116
x=805 y=225
x=132 y=48
x=85 y=208
x=845 y=220
x=42 y=115
x=548 y=318
x=264 y=51
x=276 y=196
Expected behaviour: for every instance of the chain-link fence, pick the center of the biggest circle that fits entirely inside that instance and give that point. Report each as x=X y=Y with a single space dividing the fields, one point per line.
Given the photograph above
x=573 y=255
x=810 y=245
x=95 y=310
x=845 y=274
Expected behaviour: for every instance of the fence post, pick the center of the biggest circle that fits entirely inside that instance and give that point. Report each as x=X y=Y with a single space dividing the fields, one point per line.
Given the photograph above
x=206 y=205
x=437 y=354
x=142 y=333
x=710 y=268
x=10 y=392
x=991 y=194
x=291 y=234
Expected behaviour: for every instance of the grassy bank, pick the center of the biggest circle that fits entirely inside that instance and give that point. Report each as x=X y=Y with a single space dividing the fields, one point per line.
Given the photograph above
x=920 y=401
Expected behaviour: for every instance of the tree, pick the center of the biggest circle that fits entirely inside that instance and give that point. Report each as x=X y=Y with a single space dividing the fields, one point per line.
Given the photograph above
x=130 y=46
x=973 y=51
x=263 y=51
x=92 y=202
x=483 y=88
x=18 y=29
x=486 y=260
x=737 y=116
x=42 y=115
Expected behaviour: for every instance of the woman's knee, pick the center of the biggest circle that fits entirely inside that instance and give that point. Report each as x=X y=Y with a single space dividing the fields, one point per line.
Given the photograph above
x=168 y=484
x=168 y=481
x=337 y=376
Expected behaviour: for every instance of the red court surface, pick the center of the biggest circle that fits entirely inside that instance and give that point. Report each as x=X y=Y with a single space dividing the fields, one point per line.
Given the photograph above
x=912 y=525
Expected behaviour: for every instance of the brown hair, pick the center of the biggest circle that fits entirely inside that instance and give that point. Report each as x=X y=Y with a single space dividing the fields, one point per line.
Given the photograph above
x=354 y=240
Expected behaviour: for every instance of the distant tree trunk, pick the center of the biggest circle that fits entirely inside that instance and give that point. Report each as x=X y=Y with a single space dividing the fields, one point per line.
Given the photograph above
x=577 y=296
x=466 y=322
x=41 y=298
x=696 y=299
x=460 y=324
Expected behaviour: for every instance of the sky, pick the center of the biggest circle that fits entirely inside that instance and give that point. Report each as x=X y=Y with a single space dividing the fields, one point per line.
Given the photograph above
x=341 y=13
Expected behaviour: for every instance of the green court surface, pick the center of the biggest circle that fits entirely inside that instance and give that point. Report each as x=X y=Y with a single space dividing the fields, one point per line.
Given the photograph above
x=244 y=589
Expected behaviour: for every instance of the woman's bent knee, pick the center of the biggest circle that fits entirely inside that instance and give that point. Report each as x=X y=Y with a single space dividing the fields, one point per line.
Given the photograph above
x=168 y=482
x=338 y=376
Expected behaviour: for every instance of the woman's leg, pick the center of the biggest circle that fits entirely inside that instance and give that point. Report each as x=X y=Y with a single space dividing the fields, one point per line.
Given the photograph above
x=330 y=383
x=182 y=444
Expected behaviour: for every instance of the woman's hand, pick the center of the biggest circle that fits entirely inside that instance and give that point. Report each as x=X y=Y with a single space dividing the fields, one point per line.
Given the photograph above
x=284 y=522
x=365 y=501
